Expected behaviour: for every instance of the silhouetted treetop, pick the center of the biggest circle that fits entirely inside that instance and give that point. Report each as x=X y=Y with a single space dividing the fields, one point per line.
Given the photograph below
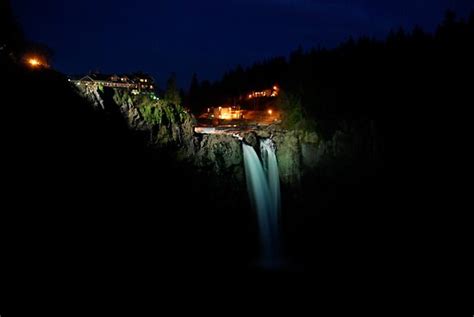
x=399 y=78
x=11 y=34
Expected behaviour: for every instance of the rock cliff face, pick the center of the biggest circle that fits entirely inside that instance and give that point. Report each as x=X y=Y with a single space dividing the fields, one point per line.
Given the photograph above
x=219 y=153
x=302 y=153
x=288 y=152
x=165 y=126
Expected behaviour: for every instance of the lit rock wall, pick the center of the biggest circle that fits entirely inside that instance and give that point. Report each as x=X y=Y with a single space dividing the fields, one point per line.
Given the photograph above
x=296 y=153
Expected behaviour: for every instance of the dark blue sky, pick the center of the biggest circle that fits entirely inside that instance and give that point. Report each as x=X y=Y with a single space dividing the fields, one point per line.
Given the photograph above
x=208 y=36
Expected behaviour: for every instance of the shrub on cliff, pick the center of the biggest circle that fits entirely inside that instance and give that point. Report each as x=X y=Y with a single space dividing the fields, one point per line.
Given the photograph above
x=157 y=112
x=120 y=96
x=151 y=113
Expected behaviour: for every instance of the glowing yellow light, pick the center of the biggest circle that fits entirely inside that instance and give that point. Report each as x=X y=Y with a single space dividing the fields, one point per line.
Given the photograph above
x=270 y=112
x=34 y=62
x=275 y=88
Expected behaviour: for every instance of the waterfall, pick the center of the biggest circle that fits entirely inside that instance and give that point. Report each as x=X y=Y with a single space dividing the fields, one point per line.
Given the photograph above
x=270 y=165
x=263 y=185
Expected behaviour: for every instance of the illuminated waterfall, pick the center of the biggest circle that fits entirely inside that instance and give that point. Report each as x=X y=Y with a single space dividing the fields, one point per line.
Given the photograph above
x=263 y=185
x=270 y=166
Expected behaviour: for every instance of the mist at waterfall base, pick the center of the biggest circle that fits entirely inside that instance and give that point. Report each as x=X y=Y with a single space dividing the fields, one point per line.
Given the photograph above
x=263 y=185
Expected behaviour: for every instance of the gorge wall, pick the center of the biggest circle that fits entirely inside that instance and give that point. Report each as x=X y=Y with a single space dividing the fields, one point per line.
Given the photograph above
x=299 y=153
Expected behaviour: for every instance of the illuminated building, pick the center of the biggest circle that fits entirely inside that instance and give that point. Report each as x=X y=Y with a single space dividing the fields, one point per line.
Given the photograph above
x=225 y=113
x=272 y=92
x=136 y=82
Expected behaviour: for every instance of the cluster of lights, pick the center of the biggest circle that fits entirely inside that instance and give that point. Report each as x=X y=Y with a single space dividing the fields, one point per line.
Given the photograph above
x=113 y=81
x=228 y=113
x=225 y=113
x=257 y=94
x=35 y=62
x=265 y=93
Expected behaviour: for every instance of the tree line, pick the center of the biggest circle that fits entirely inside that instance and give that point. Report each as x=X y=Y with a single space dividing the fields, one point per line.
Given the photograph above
x=406 y=74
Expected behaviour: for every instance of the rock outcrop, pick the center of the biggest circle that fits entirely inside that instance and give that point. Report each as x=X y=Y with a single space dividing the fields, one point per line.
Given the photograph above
x=221 y=154
x=166 y=126
x=164 y=123
x=296 y=154
x=92 y=94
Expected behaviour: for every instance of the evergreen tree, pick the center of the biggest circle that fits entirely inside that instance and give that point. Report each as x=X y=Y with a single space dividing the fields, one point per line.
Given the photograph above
x=193 y=93
x=172 y=94
x=11 y=35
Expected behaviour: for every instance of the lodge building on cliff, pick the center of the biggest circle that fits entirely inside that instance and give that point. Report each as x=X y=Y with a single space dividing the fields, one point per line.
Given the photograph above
x=137 y=83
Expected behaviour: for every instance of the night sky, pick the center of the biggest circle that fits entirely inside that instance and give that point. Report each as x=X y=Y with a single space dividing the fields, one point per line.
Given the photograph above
x=208 y=36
